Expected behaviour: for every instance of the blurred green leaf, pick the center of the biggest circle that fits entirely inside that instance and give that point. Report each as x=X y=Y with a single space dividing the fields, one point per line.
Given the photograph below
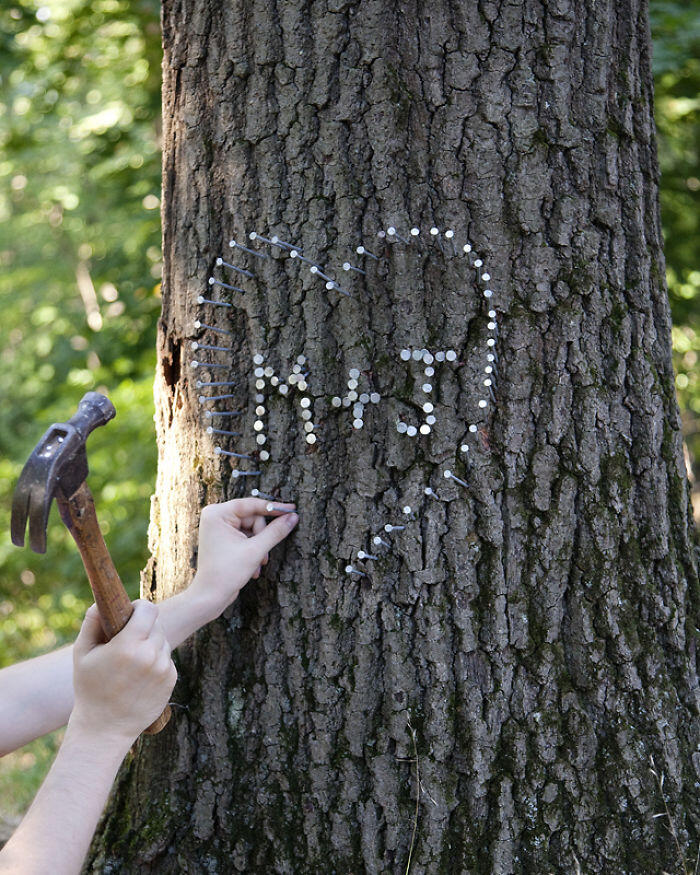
x=676 y=34
x=79 y=285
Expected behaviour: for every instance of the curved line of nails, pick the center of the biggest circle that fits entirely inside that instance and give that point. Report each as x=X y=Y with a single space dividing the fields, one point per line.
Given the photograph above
x=390 y=528
x=296 y=252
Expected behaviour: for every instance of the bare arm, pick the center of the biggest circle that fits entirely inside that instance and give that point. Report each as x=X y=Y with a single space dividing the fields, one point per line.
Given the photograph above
x=56 y=831
x=37 y=695
x=121 y=687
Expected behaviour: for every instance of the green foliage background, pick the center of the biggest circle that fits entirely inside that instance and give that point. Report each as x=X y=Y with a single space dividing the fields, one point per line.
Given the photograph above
x=80 y=267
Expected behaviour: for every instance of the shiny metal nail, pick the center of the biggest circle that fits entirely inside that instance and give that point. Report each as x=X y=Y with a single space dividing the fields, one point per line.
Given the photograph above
x=199 y=325
x=392 y=232
x=294 y=254
x=450 y=476
x=220 y=262
x=213 y=281
x=202 y=300
x=212 y=430
x=233 y=244
x=195 y=364
x=348 y=266
x=331 y=284
x=275 y=240
x=350 y=570
x=204 y=399
x=210 y=414
x=221 y=452
x=362 y=251
x=195 y=345
x=255 y=236
x=318 y=272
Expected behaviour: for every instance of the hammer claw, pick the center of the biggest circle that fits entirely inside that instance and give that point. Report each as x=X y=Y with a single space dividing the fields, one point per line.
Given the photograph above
x=58 y=465
x=29 y=504
x=20 y=510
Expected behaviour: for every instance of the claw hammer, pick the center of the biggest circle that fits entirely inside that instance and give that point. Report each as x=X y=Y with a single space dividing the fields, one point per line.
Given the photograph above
x=57 y=468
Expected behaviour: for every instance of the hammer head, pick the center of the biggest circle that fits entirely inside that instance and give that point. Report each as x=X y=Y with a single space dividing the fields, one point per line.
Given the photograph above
x=57 y=463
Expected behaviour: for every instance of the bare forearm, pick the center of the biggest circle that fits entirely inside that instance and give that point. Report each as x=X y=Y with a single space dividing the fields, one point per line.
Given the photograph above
x=37 y=697
x=56 y=831
x=182 y=614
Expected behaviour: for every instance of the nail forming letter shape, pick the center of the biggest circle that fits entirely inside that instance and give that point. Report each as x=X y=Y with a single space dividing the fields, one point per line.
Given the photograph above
x=357 y=401
x=297 y=379
x=428 y=361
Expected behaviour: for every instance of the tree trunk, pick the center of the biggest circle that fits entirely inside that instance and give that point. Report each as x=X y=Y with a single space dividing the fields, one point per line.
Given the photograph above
x=488 y=698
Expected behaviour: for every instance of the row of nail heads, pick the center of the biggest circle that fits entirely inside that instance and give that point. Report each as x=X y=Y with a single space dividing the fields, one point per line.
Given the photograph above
x=295 y=380
x=379 y=541
x=295 y=253
x=359 y=401
x=391 y=234
x=215 y=416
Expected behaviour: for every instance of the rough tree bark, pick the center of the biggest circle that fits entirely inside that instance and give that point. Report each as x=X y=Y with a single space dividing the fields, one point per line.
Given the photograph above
x=537 y=629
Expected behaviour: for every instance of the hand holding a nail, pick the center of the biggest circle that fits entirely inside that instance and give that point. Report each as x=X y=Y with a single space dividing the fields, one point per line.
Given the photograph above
x=235 y=540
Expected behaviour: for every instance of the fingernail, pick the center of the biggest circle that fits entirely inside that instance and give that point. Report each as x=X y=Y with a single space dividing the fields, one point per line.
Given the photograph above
x=292 y=520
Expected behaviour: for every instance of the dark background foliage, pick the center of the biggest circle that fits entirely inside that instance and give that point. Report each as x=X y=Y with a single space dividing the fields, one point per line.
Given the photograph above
x=80 y=267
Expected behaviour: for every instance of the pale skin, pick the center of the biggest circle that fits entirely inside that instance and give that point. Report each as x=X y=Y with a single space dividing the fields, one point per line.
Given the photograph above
x=108 y=693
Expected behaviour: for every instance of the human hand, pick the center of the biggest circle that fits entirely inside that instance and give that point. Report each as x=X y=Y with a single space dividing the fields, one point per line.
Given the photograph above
x=123 y=685
x=234 y=544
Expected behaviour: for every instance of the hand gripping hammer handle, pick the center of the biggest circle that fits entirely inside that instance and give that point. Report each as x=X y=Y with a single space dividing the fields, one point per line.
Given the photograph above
x=113 y=603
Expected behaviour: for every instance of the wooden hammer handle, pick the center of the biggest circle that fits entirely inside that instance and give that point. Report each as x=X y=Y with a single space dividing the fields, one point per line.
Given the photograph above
x=113 y=603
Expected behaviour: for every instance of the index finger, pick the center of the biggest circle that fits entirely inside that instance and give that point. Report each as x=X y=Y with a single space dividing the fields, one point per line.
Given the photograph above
x=251 y=507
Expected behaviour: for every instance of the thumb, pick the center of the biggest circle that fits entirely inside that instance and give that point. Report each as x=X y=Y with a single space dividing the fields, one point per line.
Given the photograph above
x=91 y=633
x=274 y=532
